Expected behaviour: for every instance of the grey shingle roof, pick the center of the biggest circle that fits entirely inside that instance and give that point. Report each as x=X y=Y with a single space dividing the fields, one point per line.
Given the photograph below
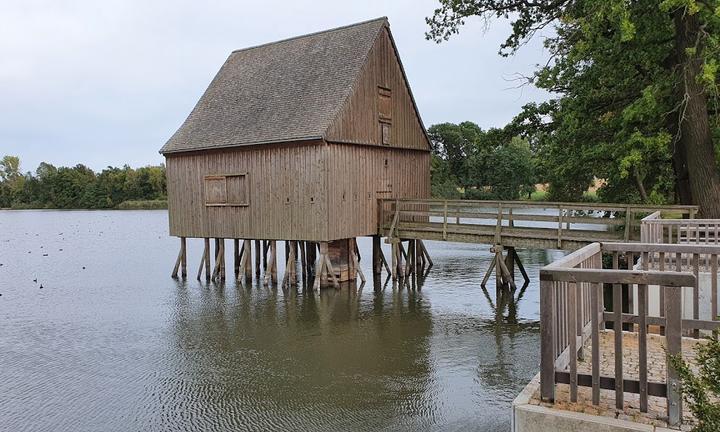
x=282 y=91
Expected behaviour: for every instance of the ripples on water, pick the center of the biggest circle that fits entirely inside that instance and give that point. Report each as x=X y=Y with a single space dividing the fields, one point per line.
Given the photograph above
x=111 y=343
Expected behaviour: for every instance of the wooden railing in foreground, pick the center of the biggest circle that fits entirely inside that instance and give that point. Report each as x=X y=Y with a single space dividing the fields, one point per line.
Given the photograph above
x=515 y=223
x=655 y=229
x=572 y=310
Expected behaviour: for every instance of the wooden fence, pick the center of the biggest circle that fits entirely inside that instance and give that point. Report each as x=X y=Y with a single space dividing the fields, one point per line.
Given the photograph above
x=572 y=311
x=655 y=229
x=515 y=223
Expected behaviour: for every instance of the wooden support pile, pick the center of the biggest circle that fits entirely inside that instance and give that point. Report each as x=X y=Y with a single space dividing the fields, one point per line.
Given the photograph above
x=324 y=269
x=181 y=260
x=271 y=263
x=405 y=263
x=355 y=260
x=290 y=277
x=205 y=261
x=313 y=258
x=219 y=271
x=504 y=267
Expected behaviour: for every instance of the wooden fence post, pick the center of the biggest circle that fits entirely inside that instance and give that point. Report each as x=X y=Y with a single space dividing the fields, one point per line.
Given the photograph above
x=559 y=231
x=628 y=221
x=547 y=340
x=673 y=340
x=498 y=225
x=445 y=217
x=596 y=311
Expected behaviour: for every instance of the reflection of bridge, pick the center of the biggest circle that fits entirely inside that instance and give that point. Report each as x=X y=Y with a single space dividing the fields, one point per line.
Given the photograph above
x=505 y=225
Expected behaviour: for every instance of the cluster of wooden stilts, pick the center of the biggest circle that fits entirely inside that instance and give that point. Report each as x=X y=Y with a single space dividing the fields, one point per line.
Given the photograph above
x=409 y=259
x=312 y=258
x=407 y=262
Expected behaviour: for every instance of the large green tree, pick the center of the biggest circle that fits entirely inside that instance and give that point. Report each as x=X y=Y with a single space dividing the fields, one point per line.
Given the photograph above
x=484 y=164
x=637 y=93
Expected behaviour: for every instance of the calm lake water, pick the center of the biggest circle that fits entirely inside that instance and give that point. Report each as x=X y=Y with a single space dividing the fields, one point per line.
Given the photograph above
x=112 y=343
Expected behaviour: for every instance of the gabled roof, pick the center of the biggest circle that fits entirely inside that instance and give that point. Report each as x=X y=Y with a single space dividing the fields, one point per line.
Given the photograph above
x=289 y=90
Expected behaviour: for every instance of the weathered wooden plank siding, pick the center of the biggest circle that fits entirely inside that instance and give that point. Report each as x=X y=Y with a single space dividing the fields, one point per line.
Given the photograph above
x=287 y=193
x=359 y=120
x=358 y=176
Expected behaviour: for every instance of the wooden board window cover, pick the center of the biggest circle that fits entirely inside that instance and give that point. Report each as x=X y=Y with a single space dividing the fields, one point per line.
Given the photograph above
x=385 y=133
x=385 y=104
x=226 y=190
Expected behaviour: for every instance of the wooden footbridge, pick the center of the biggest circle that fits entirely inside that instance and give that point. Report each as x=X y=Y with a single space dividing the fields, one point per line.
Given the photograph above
x=506 y=225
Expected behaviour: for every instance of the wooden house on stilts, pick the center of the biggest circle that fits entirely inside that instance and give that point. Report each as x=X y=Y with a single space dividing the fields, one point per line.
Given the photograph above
x=296 y=141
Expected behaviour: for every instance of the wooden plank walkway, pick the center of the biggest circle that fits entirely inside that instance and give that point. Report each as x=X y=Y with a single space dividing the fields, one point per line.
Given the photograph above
x=515 y=224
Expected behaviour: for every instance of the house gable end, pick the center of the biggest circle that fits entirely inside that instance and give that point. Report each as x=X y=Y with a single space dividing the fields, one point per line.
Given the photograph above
x=381 y=109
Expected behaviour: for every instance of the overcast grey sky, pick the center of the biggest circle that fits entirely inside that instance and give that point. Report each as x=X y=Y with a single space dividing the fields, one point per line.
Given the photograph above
x=108 y=82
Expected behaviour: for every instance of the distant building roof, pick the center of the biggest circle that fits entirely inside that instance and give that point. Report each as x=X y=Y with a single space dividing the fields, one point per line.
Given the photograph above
x=289 y=90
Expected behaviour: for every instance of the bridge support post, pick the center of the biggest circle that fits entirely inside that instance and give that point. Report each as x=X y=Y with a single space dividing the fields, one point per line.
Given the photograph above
x=425 y=254
x=510 y=262
x=512 y=259
x=488 y=273
x=504 y=267
x=520 y=267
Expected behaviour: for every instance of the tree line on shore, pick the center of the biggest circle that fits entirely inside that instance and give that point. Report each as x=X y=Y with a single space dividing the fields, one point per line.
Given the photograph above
x=79 y=187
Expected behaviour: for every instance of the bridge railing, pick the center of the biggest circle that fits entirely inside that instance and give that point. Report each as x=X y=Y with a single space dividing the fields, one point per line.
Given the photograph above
x=559 y=221
x=572 y=311
x=655 y=229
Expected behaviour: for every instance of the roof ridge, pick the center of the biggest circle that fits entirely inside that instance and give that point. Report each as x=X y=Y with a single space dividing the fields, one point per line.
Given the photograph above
x=384 y=18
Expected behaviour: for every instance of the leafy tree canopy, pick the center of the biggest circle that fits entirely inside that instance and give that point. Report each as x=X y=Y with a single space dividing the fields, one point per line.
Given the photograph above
x=636 y=86
x=481 y=164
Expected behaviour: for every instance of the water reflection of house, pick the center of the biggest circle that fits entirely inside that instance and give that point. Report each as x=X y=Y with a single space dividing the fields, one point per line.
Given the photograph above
x=310 y=361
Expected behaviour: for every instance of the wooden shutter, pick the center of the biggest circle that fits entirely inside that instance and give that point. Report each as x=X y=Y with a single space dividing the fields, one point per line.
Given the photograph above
x=237 y=190
x=215 y=190
x=385 y=104
x=227 y=190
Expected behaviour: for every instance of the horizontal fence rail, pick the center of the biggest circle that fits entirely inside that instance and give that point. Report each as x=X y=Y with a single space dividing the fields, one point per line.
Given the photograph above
x=572 y=310
x=515 y=223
